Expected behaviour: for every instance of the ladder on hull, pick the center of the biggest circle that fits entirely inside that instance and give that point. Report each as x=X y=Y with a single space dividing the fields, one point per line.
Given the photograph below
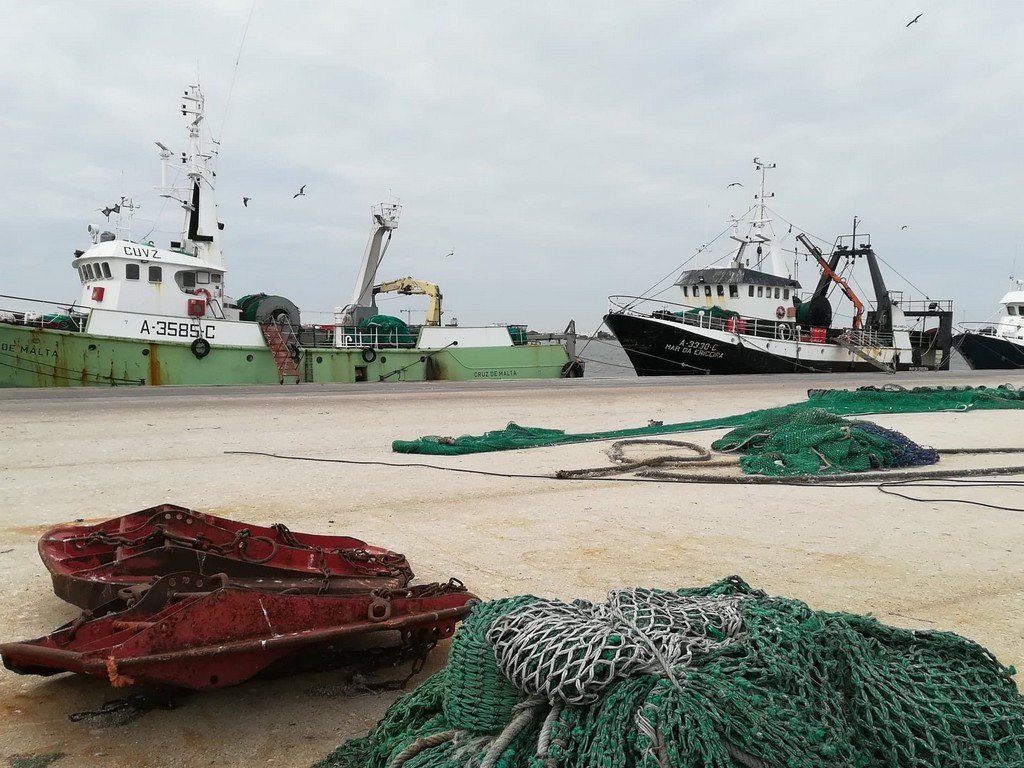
x=846 y=343
x=287 y=370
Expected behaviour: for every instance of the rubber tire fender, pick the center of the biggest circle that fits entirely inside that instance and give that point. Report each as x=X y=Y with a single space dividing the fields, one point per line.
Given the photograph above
x=369 y=355
x=200 y=348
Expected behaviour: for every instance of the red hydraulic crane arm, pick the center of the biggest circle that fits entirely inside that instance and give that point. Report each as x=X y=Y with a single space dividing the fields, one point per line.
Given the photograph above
x=831 y=274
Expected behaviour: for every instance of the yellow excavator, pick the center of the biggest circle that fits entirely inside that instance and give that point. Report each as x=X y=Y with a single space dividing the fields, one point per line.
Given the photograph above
x=408 y=287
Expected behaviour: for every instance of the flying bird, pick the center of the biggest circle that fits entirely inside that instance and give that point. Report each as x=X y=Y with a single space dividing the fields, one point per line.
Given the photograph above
x=245 y=201
x=914 y=20
x=300 y=193
x=903 y=227
x=450 y=253
x=734 y=184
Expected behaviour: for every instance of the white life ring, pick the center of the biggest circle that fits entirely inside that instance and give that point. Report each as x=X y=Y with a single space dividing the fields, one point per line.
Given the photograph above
x=780 y=311
x=784 y=331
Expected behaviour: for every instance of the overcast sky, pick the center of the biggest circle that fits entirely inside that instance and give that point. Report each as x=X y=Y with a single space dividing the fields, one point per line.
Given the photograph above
x=564 y=151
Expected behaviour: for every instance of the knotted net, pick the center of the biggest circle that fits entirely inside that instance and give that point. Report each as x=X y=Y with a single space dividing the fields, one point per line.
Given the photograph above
x=722 y=676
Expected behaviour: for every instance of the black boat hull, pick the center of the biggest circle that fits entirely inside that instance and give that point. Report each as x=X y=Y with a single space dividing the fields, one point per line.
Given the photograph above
x=669 y=349
x=985 y=353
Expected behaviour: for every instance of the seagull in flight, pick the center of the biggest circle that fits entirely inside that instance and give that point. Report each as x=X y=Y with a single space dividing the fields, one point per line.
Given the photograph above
x=903 y=227
x=245 y=201
x=734 y=184
x=300 y=193
x=450 y=253
x=914 y=20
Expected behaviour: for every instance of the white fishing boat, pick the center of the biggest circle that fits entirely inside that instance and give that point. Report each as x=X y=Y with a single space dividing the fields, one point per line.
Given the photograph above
x=753 y=316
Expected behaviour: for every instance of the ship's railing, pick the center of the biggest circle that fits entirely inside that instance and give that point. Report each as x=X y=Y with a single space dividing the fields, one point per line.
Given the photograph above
x=745 y=326
x=923 y=305
x=351 y=336
x=992 y=328
x=861 y=337
x=42 y=313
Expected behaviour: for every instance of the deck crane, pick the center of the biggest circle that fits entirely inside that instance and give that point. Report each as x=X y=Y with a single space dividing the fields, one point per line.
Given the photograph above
x=409 y=286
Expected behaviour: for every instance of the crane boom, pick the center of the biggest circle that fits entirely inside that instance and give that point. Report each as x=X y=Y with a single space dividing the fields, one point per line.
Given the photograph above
x=828 y=272
x=409 y=286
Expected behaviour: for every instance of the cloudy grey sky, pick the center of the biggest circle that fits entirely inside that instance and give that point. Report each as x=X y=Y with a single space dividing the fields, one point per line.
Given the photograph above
x=564 y=151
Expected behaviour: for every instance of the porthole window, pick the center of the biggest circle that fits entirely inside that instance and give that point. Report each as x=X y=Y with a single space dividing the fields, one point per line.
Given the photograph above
x=248 y=358
x=155 y=274
x=319 y=359
x=131 y=271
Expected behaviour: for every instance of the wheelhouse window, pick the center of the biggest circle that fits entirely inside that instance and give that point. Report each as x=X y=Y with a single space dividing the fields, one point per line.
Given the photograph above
x=778 y=293
x=203 y=277
x=750 y=290
x=785 y=293
x=131 y=271
x=106 y=269
x=760 y=291
x=155 y=274
x=685 y=291
x=1011 y=309
x=707 y=290
x=188 y=279
x=734 y=291
x=720 y=289
x=215 y=277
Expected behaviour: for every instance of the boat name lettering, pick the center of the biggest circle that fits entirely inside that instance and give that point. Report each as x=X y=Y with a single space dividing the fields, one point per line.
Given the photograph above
x=496 y=374
x=177 y=330
x=145 y=253
x=25 y=349
x=698 y=348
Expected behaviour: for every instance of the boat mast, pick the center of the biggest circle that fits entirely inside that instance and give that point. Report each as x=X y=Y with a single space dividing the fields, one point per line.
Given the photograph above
x=201 y=231
x=761 y=224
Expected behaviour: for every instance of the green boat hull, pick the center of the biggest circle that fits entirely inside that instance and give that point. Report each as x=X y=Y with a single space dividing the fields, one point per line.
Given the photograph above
x=35 y=357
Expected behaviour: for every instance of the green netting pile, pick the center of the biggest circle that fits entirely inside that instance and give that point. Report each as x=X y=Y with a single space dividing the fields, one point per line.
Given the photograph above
x=816 y=442
x=518 y=334
x=722 y=676
x=713 y=311
x=839 y=402
x=390 y=330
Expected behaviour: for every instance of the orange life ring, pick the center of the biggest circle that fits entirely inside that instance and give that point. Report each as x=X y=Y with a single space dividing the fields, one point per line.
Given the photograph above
x=203 y=292
x=780 y=311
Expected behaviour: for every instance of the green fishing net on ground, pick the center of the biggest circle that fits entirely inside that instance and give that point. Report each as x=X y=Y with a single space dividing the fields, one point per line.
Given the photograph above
x=721 y=676
x=816 y=442
x=839 y=402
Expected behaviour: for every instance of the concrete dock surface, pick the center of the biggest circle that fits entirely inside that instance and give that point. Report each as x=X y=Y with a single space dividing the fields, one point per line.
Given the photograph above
x=96 y=454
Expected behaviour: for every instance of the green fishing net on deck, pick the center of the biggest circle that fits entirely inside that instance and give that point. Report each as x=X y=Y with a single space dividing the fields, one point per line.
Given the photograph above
x=839 y=402
x=390 y=329
x=722 y=676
